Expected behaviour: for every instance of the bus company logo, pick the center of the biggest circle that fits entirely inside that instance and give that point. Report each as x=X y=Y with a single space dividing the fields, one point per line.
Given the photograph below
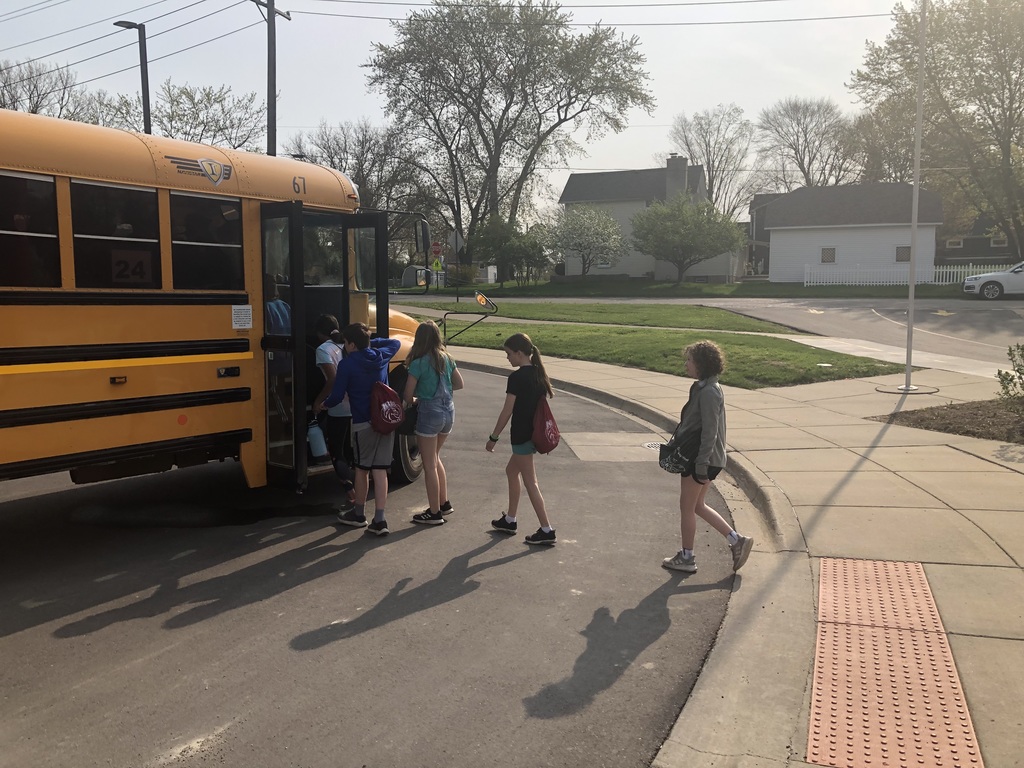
x=213 y=170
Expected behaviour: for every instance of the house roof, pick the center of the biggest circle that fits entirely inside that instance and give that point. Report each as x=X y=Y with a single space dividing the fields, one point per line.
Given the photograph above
x=762 y=199
x=852 y=205
x=610 y=186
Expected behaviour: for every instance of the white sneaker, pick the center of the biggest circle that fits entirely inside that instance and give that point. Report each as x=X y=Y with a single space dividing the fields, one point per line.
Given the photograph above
x=680 y=563
x=741 y=551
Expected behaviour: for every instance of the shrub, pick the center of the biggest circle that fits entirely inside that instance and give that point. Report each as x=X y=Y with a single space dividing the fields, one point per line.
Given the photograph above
x=1012 y=382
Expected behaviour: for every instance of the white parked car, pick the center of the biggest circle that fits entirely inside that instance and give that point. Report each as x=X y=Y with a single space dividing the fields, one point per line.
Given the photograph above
x=992 y=285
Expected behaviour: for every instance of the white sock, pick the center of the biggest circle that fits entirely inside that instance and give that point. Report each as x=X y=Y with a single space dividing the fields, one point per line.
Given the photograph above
x=732 y=538
x=509 y=519
x=546 y=528
x=687 y=553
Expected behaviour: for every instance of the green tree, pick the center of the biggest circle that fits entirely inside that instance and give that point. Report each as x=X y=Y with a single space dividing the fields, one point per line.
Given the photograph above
x=807 y=143
x=204 y=114
x=973 y=98
x=489 y=91
x=589 y=234
x=684 y=234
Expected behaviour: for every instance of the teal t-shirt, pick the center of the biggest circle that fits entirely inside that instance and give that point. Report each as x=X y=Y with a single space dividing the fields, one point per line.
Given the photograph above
x=427 y=379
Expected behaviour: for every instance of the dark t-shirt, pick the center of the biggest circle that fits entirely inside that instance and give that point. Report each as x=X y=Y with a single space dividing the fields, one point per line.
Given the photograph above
x=524 y=385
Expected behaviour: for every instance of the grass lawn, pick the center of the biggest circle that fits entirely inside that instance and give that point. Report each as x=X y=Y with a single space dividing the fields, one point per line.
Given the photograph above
x=642 y=288
x=752 y=362
x=654 y=315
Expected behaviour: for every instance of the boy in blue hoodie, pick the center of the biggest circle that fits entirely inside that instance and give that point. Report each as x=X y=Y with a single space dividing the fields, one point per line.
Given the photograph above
x=366 y=361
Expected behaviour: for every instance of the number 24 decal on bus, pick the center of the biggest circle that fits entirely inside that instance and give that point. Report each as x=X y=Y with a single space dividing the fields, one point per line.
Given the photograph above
x=130 y=267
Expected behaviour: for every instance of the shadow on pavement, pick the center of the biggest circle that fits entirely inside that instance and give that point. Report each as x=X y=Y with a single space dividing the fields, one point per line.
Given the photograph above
x=612 y=646
x=450 y=584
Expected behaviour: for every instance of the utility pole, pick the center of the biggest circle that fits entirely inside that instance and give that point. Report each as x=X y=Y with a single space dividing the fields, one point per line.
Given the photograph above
x=272 y=14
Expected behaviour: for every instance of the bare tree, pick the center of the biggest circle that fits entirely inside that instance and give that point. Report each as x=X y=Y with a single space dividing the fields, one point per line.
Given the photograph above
x=204 y=114
x=807 y=143
x=41 y=88
x=377 y=160
x=721 y=140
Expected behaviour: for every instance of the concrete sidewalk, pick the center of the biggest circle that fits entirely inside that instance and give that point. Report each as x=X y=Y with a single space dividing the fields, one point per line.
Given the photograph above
x=815 y=480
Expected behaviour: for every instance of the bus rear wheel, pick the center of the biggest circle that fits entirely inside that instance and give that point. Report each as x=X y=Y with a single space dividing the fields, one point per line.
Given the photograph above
x=408 y=464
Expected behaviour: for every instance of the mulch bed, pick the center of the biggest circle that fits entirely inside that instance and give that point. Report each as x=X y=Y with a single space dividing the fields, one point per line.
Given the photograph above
x=987 y=419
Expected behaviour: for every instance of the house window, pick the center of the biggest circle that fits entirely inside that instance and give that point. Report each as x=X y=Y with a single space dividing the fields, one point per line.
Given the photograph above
x=828 y=255
x=955 y=242
x=999 y=241
x=902 y=253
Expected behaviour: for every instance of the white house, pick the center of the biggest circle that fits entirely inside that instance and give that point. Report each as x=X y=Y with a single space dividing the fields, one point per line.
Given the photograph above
x=624 y=193
x=853 y=233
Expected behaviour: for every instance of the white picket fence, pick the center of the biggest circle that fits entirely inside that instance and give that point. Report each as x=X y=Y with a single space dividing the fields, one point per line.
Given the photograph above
x=947 y=274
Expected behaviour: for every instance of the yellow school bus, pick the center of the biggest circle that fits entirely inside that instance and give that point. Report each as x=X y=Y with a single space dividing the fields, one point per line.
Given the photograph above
x=157 y=302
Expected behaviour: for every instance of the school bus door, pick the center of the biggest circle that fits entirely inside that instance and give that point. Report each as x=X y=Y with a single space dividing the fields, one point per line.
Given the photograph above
x=283 y=344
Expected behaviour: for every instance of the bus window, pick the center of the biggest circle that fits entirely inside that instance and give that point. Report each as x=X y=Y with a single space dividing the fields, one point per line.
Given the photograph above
x=366 y=259
x=116 y=236
x=322 y=249
x=29 y=252
x=206 y=243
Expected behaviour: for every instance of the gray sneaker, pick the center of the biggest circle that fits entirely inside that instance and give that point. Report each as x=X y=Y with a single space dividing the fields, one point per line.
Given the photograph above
x=741 y=551
x=680 y=563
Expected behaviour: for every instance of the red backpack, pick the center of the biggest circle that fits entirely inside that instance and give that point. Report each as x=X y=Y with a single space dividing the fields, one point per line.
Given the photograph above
x=545 y=430
x=386 y=411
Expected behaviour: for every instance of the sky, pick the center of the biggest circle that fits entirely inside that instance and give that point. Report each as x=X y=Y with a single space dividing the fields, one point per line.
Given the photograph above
x=699 y=53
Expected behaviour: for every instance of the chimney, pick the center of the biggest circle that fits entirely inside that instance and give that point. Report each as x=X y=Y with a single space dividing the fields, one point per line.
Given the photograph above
x=675 y=176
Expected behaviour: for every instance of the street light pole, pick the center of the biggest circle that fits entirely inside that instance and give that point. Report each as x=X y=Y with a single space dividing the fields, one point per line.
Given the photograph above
x=272 y=14
x=147 y=125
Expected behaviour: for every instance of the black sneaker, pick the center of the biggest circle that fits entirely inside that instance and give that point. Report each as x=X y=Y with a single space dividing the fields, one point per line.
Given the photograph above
x=541 y=538
x=447 y=508
x=379 y=528
x=429 y=518
x=352 y=519
x=503 y=525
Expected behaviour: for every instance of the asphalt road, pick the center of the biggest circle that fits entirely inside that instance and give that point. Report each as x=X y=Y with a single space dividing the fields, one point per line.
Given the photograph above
x=181 y=620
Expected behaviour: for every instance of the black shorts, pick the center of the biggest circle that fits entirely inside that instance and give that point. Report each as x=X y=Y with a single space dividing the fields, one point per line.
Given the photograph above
x=713 y=472
x=338 y=432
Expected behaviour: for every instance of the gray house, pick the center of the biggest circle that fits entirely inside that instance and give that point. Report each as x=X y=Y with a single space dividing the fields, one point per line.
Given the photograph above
x=844 y=232
x=622 y=194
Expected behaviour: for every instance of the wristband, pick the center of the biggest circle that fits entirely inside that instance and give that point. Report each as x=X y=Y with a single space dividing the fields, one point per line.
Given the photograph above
x=494 y=438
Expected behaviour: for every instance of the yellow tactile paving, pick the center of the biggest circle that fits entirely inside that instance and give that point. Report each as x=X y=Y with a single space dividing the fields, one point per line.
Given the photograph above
x=886 y=690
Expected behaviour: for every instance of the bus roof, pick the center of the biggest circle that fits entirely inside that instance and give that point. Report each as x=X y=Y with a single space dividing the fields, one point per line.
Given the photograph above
x=46 y=145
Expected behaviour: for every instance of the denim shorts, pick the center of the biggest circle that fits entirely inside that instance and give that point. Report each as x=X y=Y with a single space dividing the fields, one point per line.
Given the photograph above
x=434 y=419
x=524 y=449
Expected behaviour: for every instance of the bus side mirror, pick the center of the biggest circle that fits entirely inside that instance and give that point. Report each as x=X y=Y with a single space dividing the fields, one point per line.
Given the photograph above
x=422 y=236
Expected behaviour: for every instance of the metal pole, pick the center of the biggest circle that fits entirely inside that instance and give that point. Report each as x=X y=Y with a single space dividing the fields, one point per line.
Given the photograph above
x=915 y=203
x=147 y=123
x=271 y=79
x=272 y=14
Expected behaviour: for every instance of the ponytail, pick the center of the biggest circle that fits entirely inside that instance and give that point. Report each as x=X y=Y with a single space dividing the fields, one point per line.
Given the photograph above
x=520 y=342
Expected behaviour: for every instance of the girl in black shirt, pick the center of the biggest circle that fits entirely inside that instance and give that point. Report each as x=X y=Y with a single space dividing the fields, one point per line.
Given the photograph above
x=526 y=386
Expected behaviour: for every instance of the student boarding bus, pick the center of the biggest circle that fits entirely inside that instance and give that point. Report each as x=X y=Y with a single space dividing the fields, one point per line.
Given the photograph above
x=157 y=302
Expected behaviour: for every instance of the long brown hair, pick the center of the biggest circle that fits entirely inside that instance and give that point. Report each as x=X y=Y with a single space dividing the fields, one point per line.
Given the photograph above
x=520 y=342
x=428 y=343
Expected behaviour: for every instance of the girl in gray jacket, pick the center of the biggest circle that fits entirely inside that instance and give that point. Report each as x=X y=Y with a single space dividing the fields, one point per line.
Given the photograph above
x=704 y=412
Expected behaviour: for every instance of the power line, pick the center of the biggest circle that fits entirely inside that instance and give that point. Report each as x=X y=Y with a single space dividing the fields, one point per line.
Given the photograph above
x=628 y=24
x=127 y=45
x=83 y=26
x=158 y=58
x=101 y=37
x=613 y=5
x=30 y=12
